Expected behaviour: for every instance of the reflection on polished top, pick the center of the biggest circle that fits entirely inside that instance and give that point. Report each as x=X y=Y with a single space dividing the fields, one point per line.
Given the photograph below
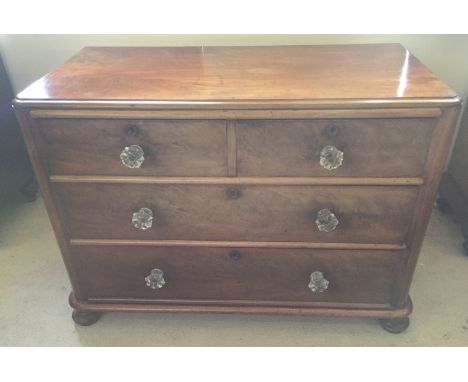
x=235 y=74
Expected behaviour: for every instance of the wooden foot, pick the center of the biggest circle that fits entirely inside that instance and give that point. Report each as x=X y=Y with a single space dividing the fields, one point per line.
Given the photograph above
x=395 y=325
x=86 y=318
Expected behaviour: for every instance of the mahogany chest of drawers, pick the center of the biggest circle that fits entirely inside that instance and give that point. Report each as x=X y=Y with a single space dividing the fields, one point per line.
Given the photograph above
x=280 y=180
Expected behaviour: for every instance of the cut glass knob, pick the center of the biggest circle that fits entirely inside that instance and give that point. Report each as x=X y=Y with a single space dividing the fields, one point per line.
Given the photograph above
x=132 y=156
x=326 y=220
x=155 y=280
x=331 y=158
x=318 y=283
x=143 y=218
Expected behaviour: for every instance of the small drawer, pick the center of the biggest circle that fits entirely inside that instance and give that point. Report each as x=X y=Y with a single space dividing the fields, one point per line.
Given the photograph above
x=337 y=148
x=199 y=273
x=134 y=147
x=251 y=213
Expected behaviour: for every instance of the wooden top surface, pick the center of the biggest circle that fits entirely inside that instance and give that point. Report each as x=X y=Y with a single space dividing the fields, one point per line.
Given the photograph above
x=277 y=74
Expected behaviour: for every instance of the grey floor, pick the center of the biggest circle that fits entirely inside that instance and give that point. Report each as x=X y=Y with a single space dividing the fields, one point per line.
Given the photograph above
x=34 y=310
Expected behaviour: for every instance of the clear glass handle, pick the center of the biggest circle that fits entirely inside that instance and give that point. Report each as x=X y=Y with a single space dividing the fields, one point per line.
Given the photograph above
x=331 y=158
x=132 y=156
x=318 y=283
x=155 y=280
x=143 y=218
x=326 y=220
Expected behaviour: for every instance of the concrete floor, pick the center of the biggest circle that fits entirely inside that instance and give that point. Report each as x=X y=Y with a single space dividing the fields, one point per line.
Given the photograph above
x=34 y=310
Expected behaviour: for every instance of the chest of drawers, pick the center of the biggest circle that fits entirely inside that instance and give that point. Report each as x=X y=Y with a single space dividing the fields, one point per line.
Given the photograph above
x=279 y=180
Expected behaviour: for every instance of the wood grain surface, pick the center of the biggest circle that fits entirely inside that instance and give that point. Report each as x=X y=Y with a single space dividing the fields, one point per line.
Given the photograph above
x=252 y=213
x=257 y=274
x=171 y=148
x=278 y=181
x=371 y=71
x=232 y=137
x=319 y=309
x=371 y=147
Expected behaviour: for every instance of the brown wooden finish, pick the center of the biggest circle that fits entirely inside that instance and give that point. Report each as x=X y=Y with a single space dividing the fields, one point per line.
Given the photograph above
x=372 y=147
x=350 y=310
x=232 y=138
x=437 y=157
x=231 y=148
x=258 y=274
x=279 y=181
x=234 y=244
x=244 y=113
x=253 y=213
x=83 y=318
x=250 y=303
x=333 y=72
x=395 y=325
x=176 y=148
x=54 y=209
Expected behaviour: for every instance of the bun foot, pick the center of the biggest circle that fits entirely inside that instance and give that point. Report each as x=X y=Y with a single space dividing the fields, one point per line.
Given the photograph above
x=86 y=318
x=395 y=325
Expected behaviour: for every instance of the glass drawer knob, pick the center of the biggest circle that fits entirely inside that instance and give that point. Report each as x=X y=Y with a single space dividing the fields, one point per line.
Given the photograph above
x=155 y=280
x=326 y=220
x=331 y=158
x=318 y=283
x=132 y=156
x=143 y=218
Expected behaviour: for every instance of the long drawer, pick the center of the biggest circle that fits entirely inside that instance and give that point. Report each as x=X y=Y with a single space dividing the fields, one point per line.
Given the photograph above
x=168 y=147
x=250 y=213
x=342 y=148
x=237 y=274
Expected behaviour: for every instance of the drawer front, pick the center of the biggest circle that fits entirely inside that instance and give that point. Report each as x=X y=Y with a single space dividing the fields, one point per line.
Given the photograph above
x=170 y=148
x=370 y=147
x=237 y=274
x=252 y=213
